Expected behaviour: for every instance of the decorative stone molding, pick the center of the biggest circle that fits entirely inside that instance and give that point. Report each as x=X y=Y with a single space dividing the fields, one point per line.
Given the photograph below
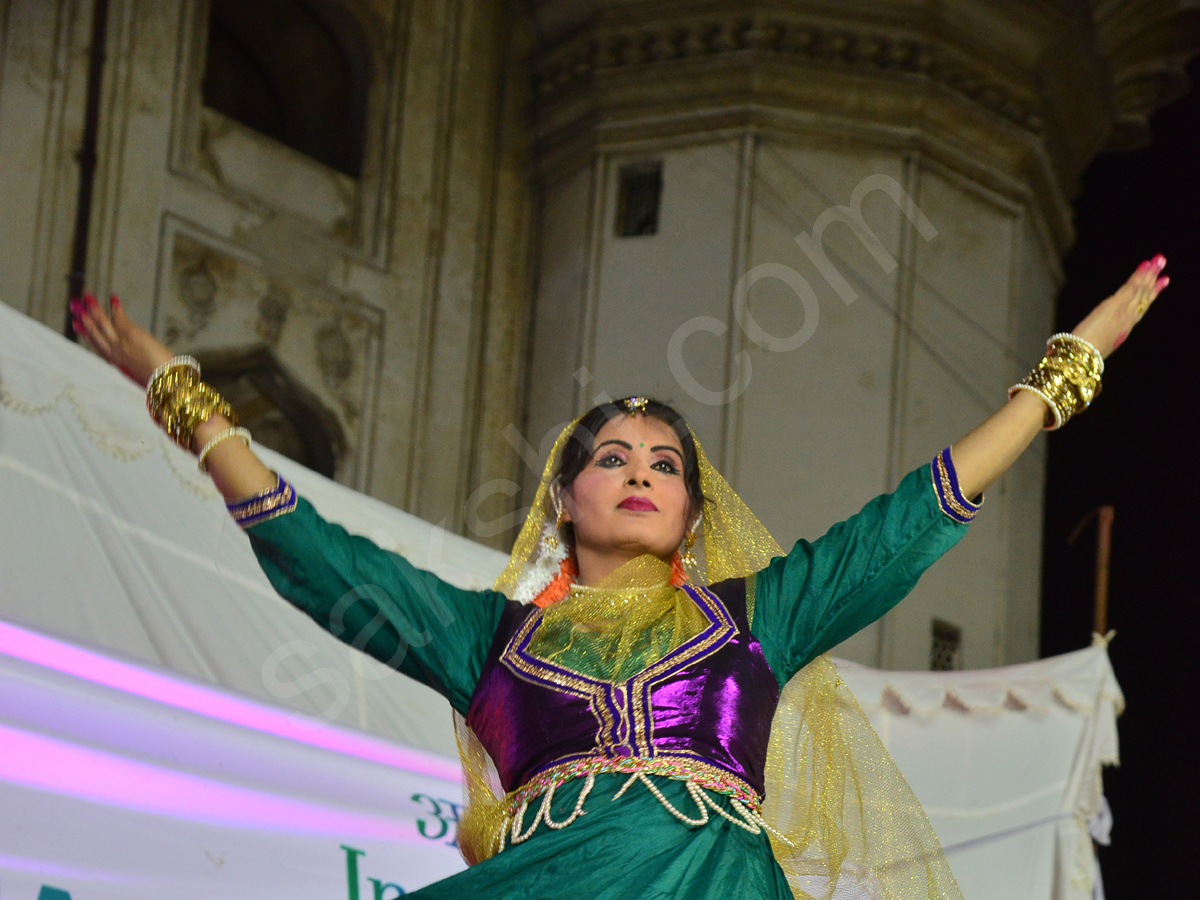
x=861 y=51
x=1030 y=91
x=273 y=308
x=327 y=341
x=1148 y=45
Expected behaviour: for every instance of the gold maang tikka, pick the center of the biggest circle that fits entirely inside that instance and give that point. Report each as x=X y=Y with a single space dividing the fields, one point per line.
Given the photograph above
x=635 y=405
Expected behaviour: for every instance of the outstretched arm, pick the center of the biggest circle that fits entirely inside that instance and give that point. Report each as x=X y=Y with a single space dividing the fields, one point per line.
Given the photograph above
x=824 y=591
x=368 y=597
x=234 y=468
x=988 y=451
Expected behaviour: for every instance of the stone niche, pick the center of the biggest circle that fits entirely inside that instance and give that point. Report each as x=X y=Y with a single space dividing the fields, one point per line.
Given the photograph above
x=305 y=357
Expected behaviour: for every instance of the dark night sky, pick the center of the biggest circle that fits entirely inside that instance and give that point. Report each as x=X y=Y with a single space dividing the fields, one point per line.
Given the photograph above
x=1132 y=450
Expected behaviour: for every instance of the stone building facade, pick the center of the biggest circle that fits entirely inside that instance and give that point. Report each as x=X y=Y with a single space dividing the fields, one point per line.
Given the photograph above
x=383 y=293
x=412 y=238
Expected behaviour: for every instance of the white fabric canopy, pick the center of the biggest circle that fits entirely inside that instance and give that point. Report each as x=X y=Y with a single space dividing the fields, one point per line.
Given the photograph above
x=110 y=538
x=1007 y=763
x=109 y=534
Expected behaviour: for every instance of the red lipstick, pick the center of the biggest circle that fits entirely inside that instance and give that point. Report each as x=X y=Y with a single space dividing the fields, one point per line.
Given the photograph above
x=638 y=504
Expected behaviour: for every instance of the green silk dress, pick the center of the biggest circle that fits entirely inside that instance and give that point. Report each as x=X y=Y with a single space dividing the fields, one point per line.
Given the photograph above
x=806 y=602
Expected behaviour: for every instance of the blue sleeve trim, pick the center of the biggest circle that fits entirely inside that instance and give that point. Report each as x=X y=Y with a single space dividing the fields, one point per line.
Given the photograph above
x=269 y=504
x=950 y=496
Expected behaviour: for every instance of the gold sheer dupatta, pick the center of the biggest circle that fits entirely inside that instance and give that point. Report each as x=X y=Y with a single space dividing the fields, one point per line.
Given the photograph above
x=844 y=818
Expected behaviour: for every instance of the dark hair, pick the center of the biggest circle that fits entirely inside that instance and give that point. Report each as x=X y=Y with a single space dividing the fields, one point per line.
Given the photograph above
x=578 y=450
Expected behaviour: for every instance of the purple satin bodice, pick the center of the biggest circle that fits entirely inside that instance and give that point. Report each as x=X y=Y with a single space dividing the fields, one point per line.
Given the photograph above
x=710 y=700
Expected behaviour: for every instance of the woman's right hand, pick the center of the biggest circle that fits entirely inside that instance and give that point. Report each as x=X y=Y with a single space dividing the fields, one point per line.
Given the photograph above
x=234 y=468
x=117 y=338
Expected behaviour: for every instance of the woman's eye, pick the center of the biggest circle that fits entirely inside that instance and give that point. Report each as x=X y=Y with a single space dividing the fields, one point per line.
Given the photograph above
x=667 y=466
x=610 y=461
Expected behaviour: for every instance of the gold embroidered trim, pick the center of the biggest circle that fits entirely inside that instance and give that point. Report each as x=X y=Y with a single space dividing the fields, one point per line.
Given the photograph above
x=271 y=505
x=589 y=689
x=633 y=724
x=722 y=630
x=677 y=768
x=947 y=494
x=699 y=777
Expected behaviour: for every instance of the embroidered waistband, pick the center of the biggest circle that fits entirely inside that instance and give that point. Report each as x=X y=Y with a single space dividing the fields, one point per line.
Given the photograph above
x=699 y=776
x=695 y=771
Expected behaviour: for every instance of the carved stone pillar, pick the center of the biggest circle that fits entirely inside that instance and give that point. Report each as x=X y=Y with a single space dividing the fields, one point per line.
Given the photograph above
x=862 y=214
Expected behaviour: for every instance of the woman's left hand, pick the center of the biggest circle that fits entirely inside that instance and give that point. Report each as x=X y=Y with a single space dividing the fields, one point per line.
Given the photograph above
x=1108 y=325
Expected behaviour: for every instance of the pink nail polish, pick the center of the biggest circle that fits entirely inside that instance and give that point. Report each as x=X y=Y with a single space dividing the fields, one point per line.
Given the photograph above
x=1159 y=261
x=1162 y=283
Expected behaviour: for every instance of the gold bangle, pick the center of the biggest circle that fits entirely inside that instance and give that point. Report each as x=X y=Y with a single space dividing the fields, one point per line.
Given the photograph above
x=179 y=402
x=1067 y=378
x=1054 y=417
x=1065 y=337
x=236 y=431
x=1085 y=382
x=175 y=362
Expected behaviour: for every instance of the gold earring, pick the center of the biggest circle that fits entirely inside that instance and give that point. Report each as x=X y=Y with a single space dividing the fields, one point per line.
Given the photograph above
x=556 y=503
x=688 y=558
x=550 y=541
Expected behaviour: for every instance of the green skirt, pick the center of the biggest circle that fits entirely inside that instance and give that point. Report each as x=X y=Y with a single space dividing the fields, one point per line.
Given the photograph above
x=632 y=847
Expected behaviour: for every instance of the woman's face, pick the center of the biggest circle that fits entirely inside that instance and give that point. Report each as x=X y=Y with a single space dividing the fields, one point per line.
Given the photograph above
x=631 y=497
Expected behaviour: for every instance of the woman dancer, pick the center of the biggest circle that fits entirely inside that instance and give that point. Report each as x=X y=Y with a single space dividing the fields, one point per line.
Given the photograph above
x=634 y=723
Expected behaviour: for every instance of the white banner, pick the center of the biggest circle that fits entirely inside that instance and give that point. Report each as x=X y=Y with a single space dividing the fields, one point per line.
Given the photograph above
x=123 y=782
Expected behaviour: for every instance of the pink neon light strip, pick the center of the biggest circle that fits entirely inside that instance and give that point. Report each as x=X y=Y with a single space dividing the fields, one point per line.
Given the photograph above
x=49 y=764
x=30 y=646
